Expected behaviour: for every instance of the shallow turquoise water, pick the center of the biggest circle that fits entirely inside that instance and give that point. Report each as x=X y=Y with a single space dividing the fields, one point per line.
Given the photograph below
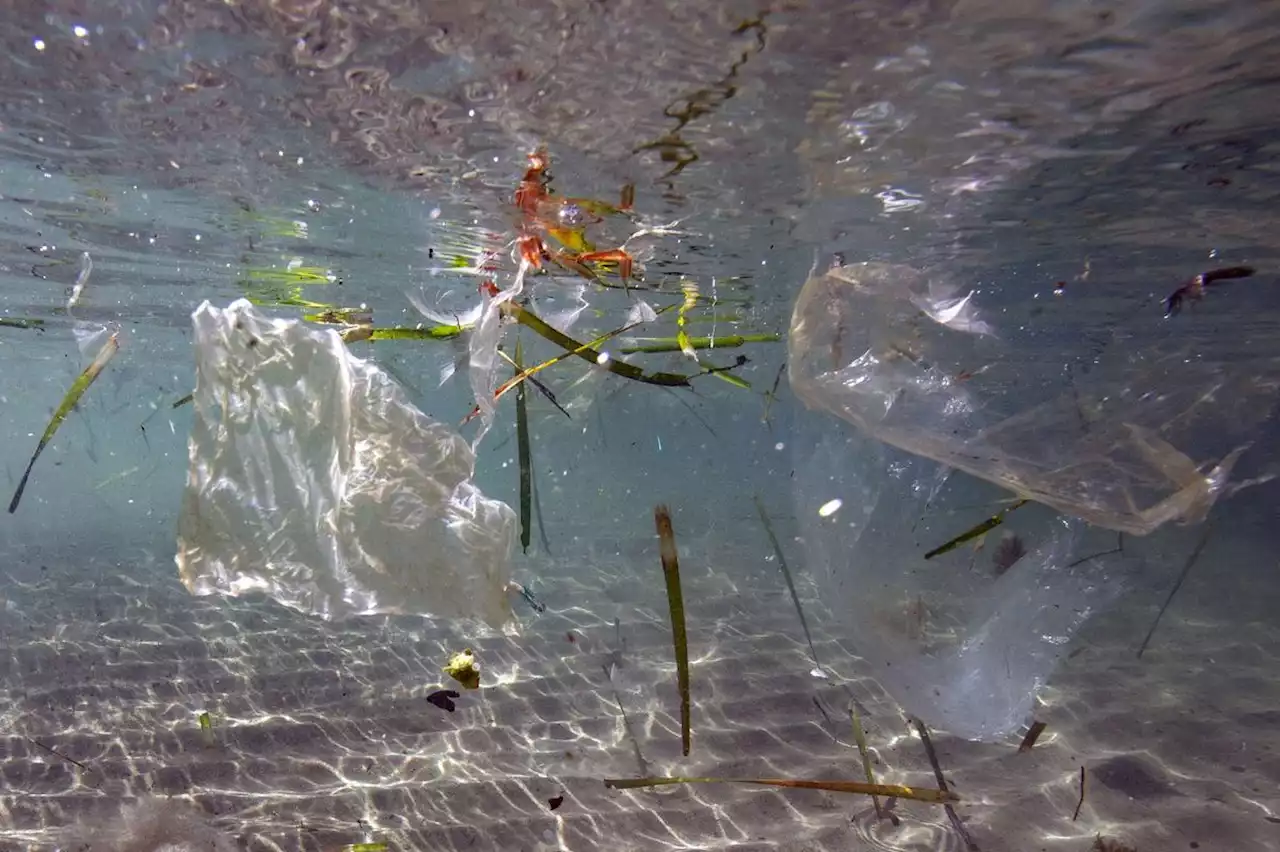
x=202 y=151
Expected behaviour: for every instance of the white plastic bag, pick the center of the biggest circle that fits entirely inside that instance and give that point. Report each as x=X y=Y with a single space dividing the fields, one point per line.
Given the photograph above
x=314 y=480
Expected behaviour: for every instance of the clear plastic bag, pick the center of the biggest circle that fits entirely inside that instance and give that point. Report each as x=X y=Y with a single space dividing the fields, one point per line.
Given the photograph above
x=314 y=480
x=962 y=641
x=1126 y=434
x=1140 y=435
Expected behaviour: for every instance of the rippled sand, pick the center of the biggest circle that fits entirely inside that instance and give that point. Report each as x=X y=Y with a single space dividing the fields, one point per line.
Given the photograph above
x=322 y=736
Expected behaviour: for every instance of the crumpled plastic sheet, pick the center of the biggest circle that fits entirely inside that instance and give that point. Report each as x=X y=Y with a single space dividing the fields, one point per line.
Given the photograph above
x=312 y=479
x=922 y=384
x=958 y=643
x=1138 y=436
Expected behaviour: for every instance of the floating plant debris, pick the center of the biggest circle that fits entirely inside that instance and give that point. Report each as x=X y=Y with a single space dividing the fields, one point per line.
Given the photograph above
x=78 y=387
x=1007 y=553
x=525 y=464
x=464 y=668
x=206 y=729
x=791 y=585
x=981 y=529
x=1079 y=804
x=675 y=599
x=1029 y=741
x=857 y=787
x=1194 y=289
x=952 y=816
x=443 y=698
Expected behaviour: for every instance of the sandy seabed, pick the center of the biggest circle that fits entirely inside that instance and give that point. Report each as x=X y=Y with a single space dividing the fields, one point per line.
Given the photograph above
x=321 y=735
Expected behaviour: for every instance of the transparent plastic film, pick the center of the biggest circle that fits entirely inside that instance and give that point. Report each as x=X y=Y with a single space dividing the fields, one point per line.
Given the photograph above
x=966 y=639
x=312 y=479
x=1138 y=436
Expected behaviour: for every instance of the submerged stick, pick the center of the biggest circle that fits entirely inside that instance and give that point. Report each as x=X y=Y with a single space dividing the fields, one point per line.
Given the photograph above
x=526 y=466
x=857 y=787
x=942 y=785
x=786 y=573
x=1079 y=804
x=981 y=529
x=1186 y=569
x=1029 y=741
x=675 y=599
x=78 y=387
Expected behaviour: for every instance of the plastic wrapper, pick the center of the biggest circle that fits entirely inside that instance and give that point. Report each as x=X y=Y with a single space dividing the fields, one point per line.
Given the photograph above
x=1103 y=430
x=314 y=480
x=1126 y=434
x=963 y=641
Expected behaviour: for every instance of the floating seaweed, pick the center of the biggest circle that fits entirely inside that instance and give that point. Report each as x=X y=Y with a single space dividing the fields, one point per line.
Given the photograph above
x=464 y=668
x=675 y=599
x=206 y=729
x=22 y=322
x=981 y=529
x=654 y=345
x=78 y=387
x=856 y=787
x=525 y=463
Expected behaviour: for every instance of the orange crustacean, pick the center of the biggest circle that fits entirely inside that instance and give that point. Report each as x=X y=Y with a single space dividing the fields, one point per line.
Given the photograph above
x=565 y=220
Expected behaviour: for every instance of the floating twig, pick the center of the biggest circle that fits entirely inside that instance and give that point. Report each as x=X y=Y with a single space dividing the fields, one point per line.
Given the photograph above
x=21 y=322
x=1194 y=289
x=1186 y=569
x=522 y=453
x=56 y=753
x=78 y=387
x=675 y=599
x=1029 y=741
x=786 y=573
x=1079 y=804
x=981 y=529
x=857 y=787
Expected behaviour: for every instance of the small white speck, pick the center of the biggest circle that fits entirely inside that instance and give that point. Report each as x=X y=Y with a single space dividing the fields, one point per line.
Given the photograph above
x=434 y=214
x=79 y=31
x=602 y=358
x=197 y=238
x=471 y=113
x=39 y=44
x=779 y=446
x=830 y=507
